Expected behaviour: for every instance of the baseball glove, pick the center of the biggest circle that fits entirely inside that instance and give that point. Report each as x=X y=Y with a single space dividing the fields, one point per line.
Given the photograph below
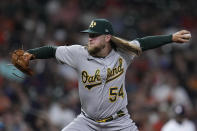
x=20 y=59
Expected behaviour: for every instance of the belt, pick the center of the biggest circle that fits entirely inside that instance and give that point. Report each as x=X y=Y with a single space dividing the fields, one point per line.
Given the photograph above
x=110 y=118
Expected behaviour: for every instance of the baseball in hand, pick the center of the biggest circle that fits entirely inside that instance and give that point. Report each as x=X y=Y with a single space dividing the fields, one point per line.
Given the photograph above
x=182 y=36
x=187 y=36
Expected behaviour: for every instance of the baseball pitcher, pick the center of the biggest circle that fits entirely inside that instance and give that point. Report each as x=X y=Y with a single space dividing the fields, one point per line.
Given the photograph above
x=101 y=66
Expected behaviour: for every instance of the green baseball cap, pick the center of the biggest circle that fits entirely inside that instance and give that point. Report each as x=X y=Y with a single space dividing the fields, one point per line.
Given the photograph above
x=100 y=26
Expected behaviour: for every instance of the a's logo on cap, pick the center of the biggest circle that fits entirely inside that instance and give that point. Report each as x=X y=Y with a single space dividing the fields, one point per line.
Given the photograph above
x=106 y=30
x=93 y=24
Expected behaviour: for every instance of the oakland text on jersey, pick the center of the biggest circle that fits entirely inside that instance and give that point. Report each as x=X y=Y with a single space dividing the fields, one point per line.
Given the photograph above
x=92 y=80
x=115 y=72
x=95 y=80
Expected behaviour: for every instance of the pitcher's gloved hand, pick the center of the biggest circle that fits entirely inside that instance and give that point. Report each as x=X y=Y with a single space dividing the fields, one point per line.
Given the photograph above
x=20 y=59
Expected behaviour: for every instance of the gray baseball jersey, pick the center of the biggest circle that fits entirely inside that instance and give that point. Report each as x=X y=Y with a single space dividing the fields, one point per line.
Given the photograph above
x=101 y=80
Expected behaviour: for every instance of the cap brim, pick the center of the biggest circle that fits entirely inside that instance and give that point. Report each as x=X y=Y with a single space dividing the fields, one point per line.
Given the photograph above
x=89 y=31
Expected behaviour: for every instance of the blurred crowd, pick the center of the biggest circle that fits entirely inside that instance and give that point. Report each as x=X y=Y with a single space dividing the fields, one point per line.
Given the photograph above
x=155 y=81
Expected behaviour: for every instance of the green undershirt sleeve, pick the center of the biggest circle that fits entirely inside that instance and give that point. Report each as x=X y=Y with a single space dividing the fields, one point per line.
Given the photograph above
x=151 y=42
x=44 y=52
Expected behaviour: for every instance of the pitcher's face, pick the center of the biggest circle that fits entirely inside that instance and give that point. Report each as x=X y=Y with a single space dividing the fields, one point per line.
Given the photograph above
x=96 y=43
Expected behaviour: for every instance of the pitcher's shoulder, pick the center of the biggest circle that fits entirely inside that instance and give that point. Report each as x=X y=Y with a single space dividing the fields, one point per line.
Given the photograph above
x=74 y=47
x=78 y=49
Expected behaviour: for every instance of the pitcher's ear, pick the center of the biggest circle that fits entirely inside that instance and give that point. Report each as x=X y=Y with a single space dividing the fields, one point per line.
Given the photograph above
x=107 y=38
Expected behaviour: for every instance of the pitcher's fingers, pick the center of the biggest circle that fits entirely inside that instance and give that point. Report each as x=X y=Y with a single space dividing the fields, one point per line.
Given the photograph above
x=181 y=40
x=186 y=36
x=184 y=32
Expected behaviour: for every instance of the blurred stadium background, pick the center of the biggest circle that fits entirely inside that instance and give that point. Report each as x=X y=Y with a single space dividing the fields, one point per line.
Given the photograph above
x=156 y=81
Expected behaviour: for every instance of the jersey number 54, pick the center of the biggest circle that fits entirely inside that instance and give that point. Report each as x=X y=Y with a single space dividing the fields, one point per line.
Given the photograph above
x=115 y=93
